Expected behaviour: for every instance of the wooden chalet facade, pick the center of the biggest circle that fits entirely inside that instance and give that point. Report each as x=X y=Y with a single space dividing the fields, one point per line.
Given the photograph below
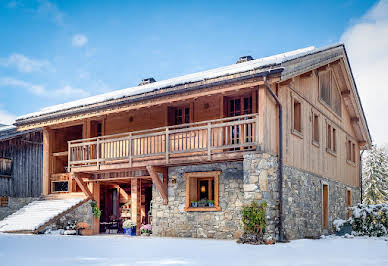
x=153 y=152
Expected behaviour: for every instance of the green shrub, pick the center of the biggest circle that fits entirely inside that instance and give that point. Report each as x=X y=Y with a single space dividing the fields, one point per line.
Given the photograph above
x=253 y=217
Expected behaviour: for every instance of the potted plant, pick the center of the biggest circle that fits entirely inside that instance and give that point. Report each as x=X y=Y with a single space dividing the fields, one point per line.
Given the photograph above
x=202 y=203
x=194 y=204
x=211 y=203
x=146 y=230
x=129 y=227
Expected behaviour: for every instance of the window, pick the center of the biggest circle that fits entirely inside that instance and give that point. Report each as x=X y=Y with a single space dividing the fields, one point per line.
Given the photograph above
x=350 y=151
x=348 y=201
x=325 y=206
x=315 y=127
x=3 y=201
x=178 y=115
x=239 y=106
x=59 y=186
x=202 y=191
x=296 y=116
x=5 y=167
x=329 y=92
x=331 y=139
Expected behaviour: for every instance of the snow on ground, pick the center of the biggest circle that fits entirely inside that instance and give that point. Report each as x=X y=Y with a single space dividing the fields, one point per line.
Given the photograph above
x=125 y=250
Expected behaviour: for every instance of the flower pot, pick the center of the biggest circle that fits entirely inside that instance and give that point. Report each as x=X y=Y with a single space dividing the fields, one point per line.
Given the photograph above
x=211 y=204
x=133 y=231
x=194 y=204
x=127 y=231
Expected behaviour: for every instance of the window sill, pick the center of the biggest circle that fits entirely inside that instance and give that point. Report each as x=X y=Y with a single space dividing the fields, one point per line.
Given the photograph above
x=351 y=163
x=202 y=209
x=330 y=151
x=297 y=133
x=316 y=144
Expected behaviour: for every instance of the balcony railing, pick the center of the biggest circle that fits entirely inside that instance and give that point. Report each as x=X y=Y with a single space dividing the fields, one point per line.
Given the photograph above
x=207 y=138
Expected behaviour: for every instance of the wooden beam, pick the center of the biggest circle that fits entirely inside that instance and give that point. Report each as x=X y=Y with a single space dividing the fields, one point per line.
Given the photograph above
x=162 y=187
x=82 y=185
x=136 y=203
x=47 y=148
x=118 y=178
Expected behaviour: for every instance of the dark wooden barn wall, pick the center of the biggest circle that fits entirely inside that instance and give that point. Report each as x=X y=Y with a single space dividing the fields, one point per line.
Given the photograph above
x=26 y=152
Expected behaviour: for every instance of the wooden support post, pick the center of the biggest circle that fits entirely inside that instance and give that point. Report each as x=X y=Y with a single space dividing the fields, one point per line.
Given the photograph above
x=136 y=203
x=96 y=198
x=47 y=155
x=162 y=187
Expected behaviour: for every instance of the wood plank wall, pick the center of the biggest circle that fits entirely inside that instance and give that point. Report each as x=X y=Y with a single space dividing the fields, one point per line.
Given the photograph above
x=26 y=154
x=298 y=150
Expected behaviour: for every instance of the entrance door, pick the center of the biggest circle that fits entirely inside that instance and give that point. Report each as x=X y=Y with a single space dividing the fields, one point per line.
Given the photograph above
x=325 y=206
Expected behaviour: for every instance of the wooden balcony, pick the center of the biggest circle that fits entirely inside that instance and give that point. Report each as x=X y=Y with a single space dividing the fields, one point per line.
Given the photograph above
x=213 y=140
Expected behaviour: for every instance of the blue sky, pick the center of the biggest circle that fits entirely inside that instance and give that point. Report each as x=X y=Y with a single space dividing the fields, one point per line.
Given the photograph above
x=56 y=51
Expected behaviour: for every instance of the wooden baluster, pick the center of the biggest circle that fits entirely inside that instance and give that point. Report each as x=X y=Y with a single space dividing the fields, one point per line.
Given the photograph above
x=208 y=142
x=98 y=153
x=130 y=149
x=167 y=145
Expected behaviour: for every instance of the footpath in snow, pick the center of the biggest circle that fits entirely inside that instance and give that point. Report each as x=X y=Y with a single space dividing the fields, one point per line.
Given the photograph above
x=123 y=250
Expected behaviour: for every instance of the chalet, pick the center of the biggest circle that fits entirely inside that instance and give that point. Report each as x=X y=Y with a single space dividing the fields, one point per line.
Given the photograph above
x=185 y=154
x=21 y=156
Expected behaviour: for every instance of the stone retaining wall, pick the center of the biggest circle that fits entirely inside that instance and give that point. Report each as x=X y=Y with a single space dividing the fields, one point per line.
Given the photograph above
x=83 y=213
x=171 y=220
x=14 y=204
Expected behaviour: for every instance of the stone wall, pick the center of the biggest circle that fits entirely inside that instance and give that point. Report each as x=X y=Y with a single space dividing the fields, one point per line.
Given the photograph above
x=14 y=204
x=302 y=203
x=83 y=213
x=302 y=197
x=171 y=220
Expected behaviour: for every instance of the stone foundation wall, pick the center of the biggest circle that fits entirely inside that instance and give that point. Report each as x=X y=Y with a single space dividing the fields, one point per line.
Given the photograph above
x=83 y=213
x=302 y=203
x=171 y=220
x=302 y=197
x=14 y=204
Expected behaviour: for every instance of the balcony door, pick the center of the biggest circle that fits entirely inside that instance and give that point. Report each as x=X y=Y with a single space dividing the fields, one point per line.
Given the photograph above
x=237 y=106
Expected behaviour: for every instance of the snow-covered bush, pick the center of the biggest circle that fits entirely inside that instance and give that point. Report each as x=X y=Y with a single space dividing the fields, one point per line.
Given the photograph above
x=370 y=220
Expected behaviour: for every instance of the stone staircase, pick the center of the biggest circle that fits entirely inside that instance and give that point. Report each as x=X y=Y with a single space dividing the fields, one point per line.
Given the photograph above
x=37 y=215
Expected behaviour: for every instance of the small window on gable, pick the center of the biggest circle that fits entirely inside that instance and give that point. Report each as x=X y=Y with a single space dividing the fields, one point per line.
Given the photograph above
x=328 y=91
x=331 y=139
x=350 y=151
x=296 y=116
x=202 y=191
x=315 y=127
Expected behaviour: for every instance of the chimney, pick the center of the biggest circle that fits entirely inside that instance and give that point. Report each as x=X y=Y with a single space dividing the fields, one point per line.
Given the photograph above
x=146 y=81
x=243 y=59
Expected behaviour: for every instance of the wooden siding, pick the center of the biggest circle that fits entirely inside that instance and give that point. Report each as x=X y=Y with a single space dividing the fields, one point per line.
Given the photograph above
x=299 y=150
x=26 y=154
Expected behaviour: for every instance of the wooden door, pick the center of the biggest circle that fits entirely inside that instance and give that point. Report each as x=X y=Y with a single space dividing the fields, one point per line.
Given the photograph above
x=348 y=201
x=325 y=206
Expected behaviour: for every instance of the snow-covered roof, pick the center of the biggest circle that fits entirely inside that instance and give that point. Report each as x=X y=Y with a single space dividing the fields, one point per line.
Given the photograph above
x=196 y=77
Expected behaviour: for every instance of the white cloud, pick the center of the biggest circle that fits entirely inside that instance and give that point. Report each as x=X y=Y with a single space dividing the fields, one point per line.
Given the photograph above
x=6 y=118
x=66 y=91
x=25 y=64
x=79 y=40
x=367 y=44
x=51 y=11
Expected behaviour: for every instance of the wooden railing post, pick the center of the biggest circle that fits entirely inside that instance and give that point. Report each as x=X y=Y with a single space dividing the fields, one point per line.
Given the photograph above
x=209 y=138
x=68 y=157
x=98 y=153
x=167 y=145
x=257 y=133
x=130 y=149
